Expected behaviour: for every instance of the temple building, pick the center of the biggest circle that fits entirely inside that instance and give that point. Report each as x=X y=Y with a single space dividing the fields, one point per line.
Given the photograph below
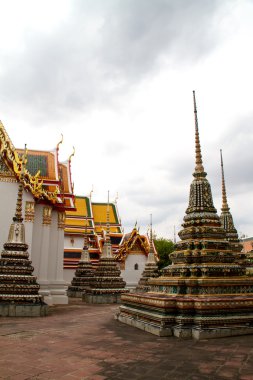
x=49 y=193
x=133 y=254
x=130 y=250
x=205 y=292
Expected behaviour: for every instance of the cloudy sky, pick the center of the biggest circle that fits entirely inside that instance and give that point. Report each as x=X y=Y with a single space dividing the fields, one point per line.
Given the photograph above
x=116 y=78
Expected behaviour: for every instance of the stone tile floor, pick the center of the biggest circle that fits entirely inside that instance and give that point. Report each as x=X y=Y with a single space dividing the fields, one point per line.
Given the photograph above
x=81 y=341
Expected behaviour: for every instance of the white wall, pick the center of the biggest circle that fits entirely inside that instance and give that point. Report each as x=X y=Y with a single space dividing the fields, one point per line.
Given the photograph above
x=130 y=275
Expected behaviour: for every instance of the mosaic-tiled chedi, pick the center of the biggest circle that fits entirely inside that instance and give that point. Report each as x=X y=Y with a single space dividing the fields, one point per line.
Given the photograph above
x=204 y=293
x=227 y=222
x=108 y=284
x=150 y=270
x=18 y=287
x=84 y=274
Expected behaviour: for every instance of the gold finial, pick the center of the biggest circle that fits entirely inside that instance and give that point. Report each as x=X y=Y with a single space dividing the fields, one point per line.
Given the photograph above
x=224 y=194
x=199 y=168
x=91 y=191
x=60 y=142
x=72 y=154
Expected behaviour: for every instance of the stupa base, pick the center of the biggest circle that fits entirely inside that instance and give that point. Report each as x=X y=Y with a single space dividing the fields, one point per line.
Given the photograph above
x=146 y=325
x=75 y=293
x=211 y=333
x=23 y=310
x=162 y=325
x=102 y=297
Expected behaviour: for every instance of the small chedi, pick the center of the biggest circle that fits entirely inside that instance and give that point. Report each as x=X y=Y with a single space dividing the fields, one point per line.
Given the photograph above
x=108 y=285
x=205 y=292
x=18 y=287
x=227 y=222
x=84 y=274
x=151 y=268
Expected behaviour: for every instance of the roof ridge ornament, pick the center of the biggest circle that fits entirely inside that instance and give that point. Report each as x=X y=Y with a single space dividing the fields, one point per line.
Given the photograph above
x=59 y=143
x=199 y=168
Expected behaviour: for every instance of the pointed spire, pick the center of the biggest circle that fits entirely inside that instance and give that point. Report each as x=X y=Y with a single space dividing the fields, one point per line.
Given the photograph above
x=108 y=219
x=151 y=255
x=224 y=206
x=151 y=231
x=18 y=214
x=199 y=168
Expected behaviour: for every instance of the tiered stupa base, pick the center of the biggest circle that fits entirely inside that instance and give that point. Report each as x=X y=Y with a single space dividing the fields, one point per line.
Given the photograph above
x=83 y=280
x=189 y=315
x=9 y=309
x=18 y=287
x=108 y=286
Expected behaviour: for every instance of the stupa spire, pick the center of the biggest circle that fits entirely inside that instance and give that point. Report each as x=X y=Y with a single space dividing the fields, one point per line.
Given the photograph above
x=107 y=248
x=151 y=255
x=226 y=218
x=224 y=206
x=199 y=168
x=18 y=213
x=85 y=256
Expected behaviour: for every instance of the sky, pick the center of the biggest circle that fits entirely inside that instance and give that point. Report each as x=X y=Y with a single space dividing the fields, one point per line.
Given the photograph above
x=115 y=77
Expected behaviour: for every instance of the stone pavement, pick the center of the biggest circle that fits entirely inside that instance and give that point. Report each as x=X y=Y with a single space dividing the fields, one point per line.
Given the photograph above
x=83 y=341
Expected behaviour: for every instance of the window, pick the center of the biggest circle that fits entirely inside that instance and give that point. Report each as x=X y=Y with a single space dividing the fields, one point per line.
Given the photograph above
x=136 y=266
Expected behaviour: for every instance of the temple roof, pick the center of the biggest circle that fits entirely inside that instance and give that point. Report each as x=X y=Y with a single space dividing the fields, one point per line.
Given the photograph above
x=132 y=240
x=38 y=171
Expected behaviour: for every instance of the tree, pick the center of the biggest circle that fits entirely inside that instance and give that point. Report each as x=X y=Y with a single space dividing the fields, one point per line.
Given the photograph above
x=164 y=247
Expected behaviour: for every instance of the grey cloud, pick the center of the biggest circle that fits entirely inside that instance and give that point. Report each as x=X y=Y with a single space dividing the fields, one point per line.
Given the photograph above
x=101 y=50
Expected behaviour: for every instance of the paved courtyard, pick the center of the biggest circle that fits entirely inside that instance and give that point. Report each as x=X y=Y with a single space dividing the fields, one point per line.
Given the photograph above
x=80 y=341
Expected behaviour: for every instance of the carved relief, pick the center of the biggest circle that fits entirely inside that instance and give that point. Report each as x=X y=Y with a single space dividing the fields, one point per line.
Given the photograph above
x=29 y=211
x=47 y=215
x=61 y=219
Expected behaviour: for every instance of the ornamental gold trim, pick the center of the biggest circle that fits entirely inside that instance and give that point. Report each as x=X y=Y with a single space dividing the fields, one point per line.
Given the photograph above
x=30 y=182
x=29 y=211
x=47 y=215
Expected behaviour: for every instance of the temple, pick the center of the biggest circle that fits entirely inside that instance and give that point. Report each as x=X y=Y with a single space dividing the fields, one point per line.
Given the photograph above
x=49 y=193
x=130 y=249
x=205 y=292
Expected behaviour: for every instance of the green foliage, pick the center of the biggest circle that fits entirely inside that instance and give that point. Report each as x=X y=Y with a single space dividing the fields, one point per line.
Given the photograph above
x=163 y=247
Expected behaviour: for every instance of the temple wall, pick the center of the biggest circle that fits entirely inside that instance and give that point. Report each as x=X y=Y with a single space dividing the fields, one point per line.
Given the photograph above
x=71 y=242
x=68 y=275
x=130 y=274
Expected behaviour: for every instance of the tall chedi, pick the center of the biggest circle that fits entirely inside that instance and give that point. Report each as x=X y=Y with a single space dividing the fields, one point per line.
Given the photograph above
x=226 y=218
x=108 y=285
x=151 y=267
x=205 y=292
x=84 y=274
x=19 y=295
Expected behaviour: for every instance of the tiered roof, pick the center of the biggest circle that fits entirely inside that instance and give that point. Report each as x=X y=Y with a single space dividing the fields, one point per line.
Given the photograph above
x=44 y=176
